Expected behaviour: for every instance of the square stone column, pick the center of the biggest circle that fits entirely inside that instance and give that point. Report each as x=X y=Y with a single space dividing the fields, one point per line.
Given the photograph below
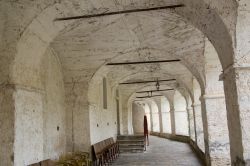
x=216 y=130
x=237 y=93
x=151 y=118
x=191 y=118
x=172 y=116
x=158 y=103
x=199 y=126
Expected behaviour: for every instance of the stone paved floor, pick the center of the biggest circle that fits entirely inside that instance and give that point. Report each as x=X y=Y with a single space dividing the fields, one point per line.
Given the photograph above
x=161 y=152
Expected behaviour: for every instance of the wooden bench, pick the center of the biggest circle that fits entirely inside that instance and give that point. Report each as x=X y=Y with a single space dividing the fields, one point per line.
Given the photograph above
x=105 y=152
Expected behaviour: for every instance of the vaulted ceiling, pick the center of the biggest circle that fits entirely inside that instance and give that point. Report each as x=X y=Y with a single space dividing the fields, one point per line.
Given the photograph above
x=86 y=47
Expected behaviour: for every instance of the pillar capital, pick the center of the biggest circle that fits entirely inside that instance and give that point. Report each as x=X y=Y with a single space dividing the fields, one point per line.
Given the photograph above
x=212 y=96
x=195 y=105
x=233 y=68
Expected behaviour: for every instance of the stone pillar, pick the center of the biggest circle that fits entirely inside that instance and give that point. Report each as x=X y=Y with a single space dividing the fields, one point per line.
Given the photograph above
x=158 y=102
x=151 y=118
x=214 y=111
x=172 y=116
x=191 y=119
x=199 y=126
x=215 y=130
x=7 y=125
x=237 y=92
x=237 y=89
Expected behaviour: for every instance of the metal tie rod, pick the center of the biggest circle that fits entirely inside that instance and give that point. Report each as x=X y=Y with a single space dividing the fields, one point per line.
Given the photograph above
x=155 y=90
x=119 y=12
x=148 y=96
x=143 y=62
x=143 y=82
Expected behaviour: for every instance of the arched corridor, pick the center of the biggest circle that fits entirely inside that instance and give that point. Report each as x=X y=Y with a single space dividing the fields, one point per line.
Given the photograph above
x=75 y=73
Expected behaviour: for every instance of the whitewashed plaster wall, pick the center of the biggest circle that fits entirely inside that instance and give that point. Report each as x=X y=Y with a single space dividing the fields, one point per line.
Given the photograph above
x=155 y=116
x=138 y=118
x=166 y=120
x=54 y=115
x=103 y=122
x=124 y=97
x=28 y=123
x=77 y=116
x=170 y=96
x=40 y=115
x=214 y=110
x=181 y=119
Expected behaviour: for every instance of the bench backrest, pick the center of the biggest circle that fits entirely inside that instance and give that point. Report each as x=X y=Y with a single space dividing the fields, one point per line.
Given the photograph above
x=100 y=146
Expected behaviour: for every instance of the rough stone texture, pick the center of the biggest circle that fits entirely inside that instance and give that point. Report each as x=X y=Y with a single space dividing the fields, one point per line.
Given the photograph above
x=7 y=122
x=218 y=139
x=236 y=81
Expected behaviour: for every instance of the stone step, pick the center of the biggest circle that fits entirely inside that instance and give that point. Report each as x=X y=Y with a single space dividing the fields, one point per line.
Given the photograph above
x=130 y=137
x=129 y=141
x=130 y=149
x=130 y=145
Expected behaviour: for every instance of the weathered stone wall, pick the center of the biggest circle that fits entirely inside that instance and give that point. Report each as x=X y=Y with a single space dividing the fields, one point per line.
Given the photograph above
x=40 y=115
x=7 y=122
x=54 y=115
x=29 y=108
x=214 y=110
x=77 y=116
x=103 y=122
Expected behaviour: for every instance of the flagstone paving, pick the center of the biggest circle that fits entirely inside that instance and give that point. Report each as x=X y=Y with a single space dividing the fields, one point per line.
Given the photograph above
x=161 y=152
